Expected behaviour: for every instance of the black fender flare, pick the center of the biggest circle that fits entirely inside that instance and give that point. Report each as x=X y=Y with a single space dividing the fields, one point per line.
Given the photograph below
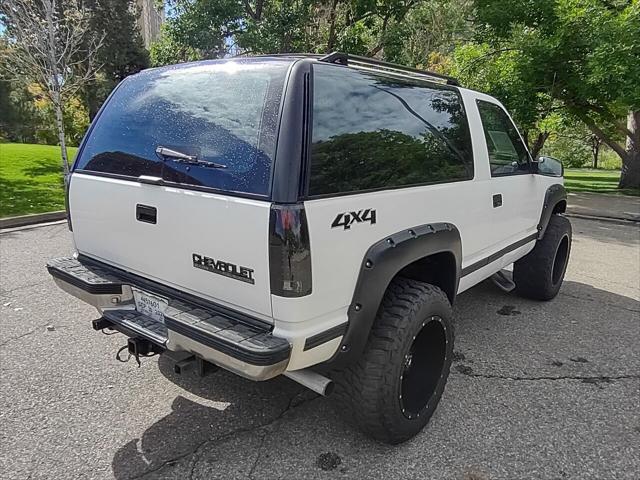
x=554 y=195
x=380 y=264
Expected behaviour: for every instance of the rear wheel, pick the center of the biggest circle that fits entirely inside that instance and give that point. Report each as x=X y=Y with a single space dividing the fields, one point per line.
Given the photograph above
x=394 y=388
x=540 y=273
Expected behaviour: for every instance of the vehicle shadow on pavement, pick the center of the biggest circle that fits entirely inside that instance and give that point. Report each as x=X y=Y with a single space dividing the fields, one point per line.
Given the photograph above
x=228 y=427
x=212 y=408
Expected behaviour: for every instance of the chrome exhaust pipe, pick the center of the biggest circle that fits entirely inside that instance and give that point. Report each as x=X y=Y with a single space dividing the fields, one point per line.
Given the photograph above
x=312 y=380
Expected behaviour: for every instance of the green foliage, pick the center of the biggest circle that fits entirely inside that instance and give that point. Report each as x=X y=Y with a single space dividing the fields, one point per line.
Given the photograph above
x=553 y=62
x=572 y=152
x=167 y=51
x=30 y=179
x=505 y=74
x=214 y=28
x=122 y=51
x=282 y=27
x=27 y=115
x=431 y=29
x=197 y=29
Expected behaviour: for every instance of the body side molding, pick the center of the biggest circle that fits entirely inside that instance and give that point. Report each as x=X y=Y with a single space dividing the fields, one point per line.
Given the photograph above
x=380 y=265
x=555 y=194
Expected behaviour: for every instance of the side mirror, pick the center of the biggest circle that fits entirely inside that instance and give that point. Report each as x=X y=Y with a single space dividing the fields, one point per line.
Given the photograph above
x=548 y=166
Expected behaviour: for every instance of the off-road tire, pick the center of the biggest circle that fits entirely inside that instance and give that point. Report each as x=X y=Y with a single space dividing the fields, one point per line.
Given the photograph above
x=368 y=392
x=540 y=273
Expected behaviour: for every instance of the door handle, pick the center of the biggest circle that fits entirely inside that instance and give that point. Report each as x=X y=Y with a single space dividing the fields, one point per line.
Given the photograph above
x=497 y=200
x=146 y=214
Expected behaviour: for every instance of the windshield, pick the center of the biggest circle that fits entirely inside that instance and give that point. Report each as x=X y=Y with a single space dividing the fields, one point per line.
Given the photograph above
x=218 y=112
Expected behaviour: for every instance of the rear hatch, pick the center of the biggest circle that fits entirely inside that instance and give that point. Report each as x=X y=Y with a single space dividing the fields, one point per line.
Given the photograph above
x=173 y=179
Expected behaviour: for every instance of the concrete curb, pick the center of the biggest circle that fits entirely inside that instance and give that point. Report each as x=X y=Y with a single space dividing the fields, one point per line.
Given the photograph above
x=22 y=220
x=618 y=220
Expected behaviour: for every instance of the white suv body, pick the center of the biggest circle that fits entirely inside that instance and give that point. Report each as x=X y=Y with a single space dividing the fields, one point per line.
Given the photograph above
x=278 y=197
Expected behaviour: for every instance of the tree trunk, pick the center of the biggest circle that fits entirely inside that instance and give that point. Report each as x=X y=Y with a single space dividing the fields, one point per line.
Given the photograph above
x=538 y=144
x=331 y=41
x=54 y=82
x=60 y=127
x=595 y=150
x=630 y=175
x=92 y=99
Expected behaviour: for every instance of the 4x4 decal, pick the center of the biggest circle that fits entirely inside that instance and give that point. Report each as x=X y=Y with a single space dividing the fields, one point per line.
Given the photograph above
x=347 y=219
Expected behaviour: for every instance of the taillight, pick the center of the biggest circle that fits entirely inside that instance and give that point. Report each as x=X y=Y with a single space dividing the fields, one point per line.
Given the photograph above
x=289 y=251
x=67 y=184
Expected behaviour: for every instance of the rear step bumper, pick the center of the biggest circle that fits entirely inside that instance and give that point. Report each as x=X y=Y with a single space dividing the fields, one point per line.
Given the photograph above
x=214 y=333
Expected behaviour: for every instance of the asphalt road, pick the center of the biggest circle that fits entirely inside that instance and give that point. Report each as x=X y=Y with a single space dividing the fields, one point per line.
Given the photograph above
x=538 y=390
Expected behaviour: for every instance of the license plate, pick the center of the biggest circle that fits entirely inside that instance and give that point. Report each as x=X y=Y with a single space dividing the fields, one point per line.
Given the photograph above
x=150 y=305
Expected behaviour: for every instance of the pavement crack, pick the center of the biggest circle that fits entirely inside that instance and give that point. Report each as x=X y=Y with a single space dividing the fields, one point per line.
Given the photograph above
x=196 y=451
x=258 y=455
x=583 y=378
x=25 y=287
x=30 y=332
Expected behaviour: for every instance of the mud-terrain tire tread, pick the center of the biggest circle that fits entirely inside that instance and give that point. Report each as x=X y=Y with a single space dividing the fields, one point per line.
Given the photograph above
x=532 y=274
x=365 y=391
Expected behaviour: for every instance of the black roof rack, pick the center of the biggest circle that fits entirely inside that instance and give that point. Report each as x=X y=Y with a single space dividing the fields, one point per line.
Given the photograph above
x=340 y=58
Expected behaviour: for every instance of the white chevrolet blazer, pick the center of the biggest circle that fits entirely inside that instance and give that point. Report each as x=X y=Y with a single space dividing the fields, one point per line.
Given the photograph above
x=308 y=216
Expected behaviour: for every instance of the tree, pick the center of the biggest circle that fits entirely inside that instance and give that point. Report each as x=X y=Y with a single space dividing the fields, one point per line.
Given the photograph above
x=52 y=47
x=578 y=56
x=428 y=33
x=122 y=52
x=215 y=28
x=504 y=74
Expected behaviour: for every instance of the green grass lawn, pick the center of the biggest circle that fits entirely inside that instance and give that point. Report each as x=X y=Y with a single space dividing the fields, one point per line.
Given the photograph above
x=594 y=181
x=30 y=179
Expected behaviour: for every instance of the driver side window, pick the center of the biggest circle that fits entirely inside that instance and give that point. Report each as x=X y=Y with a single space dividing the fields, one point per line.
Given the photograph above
x=507 y=154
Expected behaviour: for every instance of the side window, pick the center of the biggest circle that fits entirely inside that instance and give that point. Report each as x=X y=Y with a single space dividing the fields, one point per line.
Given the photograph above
x=507 y=153
x=372 y=132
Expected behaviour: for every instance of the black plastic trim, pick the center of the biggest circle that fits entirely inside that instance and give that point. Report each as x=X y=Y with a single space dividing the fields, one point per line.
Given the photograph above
x=292 y=134
x=266 y=357
x=380 y=264
x=92 y=288
x=146 y=214
x=324 y=337
x=499 y=254
x=555 y=194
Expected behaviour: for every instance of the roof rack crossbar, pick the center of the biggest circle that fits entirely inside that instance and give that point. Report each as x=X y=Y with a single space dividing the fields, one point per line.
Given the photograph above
x=344 y=58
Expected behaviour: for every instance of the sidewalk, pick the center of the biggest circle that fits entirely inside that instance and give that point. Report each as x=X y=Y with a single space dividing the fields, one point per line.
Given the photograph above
x=617 y=207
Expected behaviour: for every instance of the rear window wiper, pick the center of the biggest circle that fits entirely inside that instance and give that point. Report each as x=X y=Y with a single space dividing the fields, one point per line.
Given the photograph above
x=164 y=153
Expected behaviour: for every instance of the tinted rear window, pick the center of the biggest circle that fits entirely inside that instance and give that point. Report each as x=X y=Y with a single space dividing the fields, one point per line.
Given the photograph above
x=374 y=132
x=221 y=112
